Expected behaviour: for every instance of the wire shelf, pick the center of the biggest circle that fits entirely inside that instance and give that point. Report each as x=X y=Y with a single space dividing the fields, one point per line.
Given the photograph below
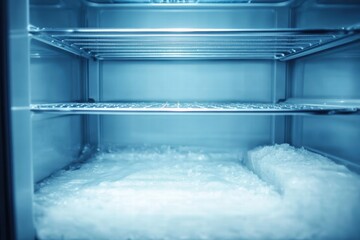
x=195 y=107
x=125 y=44
x=244 y=2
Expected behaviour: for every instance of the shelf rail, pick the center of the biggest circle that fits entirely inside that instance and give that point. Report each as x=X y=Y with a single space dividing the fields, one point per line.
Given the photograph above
x=127 y=44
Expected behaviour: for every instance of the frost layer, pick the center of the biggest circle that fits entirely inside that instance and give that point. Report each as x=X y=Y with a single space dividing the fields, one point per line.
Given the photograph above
x=321 y=193
x=187 y=193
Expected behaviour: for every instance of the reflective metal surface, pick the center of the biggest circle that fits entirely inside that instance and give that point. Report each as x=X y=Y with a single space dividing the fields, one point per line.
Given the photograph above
x=187 y=43
x=168 y=107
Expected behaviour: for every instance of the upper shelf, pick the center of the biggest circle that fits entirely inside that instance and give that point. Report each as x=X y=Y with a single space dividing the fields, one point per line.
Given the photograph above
x=175 y=43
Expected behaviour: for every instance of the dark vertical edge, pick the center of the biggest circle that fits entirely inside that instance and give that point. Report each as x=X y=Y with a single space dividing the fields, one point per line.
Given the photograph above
x=6 y=202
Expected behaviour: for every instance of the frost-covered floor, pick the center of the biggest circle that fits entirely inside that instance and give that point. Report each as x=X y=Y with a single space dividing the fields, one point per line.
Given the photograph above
x=275 y=192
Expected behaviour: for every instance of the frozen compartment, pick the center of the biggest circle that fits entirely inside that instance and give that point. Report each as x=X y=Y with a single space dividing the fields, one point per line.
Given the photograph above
x=176 y=119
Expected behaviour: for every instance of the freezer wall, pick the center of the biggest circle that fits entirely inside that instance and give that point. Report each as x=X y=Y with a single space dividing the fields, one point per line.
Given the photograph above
x=189 y=80
x=18 y=53
x=328 y=77
x=55 y=76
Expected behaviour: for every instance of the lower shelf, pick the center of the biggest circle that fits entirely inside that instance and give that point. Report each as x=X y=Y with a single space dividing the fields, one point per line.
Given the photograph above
x=180 y=108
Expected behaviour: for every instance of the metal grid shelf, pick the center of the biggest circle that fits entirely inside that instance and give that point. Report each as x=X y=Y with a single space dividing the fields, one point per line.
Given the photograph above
x=125 y=44
x=177 y=2
x=201 y=107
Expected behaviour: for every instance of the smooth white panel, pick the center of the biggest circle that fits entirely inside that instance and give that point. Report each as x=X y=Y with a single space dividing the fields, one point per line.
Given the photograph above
x=212 y=131
x=184 y=17
x=187 y=81
x=336 y=135
x=56 y=142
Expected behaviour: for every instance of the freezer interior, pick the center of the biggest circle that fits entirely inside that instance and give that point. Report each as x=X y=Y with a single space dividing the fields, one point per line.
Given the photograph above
x=204 y=119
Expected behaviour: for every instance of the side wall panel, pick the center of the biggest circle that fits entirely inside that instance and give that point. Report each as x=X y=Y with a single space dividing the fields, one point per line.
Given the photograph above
x=330 y=75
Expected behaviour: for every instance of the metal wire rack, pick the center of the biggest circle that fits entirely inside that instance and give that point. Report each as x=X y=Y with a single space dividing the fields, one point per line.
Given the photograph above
x=125 y=44
x=196 y=107
x=252 y=2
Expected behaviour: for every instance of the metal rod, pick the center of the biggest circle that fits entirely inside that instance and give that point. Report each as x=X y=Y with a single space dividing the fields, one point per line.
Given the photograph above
x=58 y=44
x=191 y=31
x=322 y=47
